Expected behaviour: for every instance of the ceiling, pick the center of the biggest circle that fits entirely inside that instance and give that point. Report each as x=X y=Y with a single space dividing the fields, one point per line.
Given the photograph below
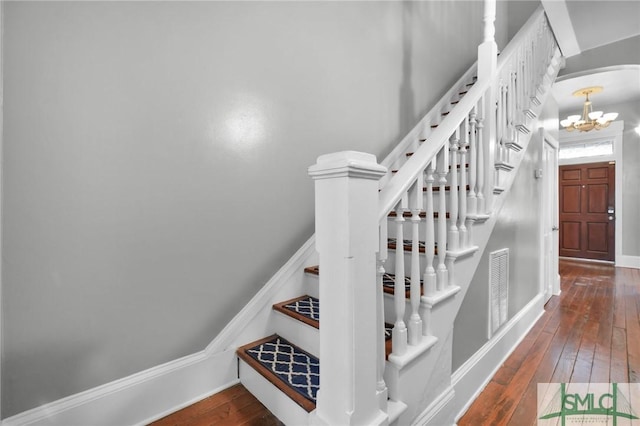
x=581 y=25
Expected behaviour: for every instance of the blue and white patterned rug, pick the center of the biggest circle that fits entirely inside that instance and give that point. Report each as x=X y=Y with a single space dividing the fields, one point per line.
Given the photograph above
x=308 y=307
x=292 y=365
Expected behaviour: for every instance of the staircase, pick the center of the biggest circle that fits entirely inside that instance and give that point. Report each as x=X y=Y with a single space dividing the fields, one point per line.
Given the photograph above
x=398 y=245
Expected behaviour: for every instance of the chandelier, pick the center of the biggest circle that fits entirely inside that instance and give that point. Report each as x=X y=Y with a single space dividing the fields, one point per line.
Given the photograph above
x=590 y=119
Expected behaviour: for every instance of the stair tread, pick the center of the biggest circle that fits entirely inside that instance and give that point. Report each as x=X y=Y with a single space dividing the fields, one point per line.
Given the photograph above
x=388 y=280
x=291 y=369
x=446 y=188
x=304 y=308
x=307 y=309
x=408 y=245
x=409 y=154
x=422 y=214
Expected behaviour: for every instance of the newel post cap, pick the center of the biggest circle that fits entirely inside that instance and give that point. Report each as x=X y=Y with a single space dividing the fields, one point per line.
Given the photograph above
x=347 y=164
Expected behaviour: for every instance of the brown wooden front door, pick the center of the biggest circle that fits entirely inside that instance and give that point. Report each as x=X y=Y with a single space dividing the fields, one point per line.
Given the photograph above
x=587 y=215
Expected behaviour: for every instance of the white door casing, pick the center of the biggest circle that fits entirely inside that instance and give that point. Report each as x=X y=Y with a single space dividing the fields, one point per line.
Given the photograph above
x=550 y=277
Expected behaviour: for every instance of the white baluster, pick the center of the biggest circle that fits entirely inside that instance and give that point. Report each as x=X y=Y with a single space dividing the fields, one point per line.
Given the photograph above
x=481 y=158
x=501 y=154
x=499 y=126
x=429 y=242
x=472 y=201
x=453 y=236
x=443 y=168
x=381 y=386
x=513 y=134
x=520 y=88
x=399 y=334
x=462 y=214
x=415 y=323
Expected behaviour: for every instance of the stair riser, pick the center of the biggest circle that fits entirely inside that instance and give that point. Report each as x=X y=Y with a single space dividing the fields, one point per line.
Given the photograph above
x=271 y=397
x=311 y=285
x=297 y=332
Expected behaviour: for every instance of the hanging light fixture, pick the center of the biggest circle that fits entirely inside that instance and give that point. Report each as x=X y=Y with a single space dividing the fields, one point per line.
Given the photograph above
x=589 y=119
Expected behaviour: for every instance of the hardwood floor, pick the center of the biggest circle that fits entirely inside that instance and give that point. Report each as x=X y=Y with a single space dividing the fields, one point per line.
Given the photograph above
x=233 y=406
x=590 y=333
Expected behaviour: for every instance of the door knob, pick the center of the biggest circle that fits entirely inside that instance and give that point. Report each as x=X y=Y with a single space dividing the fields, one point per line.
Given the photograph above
x=555 y=228
x=610 y=217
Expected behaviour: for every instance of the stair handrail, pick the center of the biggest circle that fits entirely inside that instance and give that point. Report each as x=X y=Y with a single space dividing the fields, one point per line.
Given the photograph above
x=510 y=50
x=430 y=116
x=393 y=191
x=406 y=175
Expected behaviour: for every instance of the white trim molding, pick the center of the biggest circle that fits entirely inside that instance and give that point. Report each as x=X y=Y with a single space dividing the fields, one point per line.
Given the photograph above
x=560 y=22
x=140 y=398
x=154 y=393
x=615 y=132
x=470 y=379
x=1 y=173
x=628 y=262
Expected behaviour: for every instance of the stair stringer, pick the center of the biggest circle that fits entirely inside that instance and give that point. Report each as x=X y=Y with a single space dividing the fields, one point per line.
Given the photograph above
x=255 y=320
x=434 y=390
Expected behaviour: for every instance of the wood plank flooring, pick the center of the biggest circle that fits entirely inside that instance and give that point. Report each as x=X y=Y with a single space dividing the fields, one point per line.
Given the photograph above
x=590 y=333
x=233 y=406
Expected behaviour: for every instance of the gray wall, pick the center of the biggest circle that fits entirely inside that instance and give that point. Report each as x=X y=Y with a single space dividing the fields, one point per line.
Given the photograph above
x=517 y=228
x=156 y=155
x=519 y=11
x=629 y=112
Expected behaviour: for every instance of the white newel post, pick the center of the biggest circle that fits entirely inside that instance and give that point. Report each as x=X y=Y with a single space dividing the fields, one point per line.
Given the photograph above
x=346 y=193
x=487 y=65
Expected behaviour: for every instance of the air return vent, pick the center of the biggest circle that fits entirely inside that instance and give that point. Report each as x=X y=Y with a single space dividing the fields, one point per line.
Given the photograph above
x=498 y=289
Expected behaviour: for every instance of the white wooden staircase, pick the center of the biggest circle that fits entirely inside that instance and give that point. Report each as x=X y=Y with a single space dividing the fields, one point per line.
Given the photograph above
x=386 y=354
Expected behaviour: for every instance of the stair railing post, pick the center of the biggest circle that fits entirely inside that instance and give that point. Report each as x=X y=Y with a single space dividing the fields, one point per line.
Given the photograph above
x=347 y=239
x=487 y=66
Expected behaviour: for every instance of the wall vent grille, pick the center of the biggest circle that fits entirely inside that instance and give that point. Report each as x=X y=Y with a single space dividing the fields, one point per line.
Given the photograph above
x=498 y=289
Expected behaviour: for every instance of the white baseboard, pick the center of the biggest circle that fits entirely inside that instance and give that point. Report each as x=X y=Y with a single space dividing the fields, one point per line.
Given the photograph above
x=472 y=377
x=140 y=398
x=628 y=262
x=152 y=394
x=433 y=413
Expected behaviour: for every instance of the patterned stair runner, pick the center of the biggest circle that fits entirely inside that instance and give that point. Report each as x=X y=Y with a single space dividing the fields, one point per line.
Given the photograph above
x=307 y=309
x=286 y=366
x=388 y=280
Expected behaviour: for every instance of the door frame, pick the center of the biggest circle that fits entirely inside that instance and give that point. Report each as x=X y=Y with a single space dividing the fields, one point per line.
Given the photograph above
x=1 y=184
x=613 y=132
x=549 y=198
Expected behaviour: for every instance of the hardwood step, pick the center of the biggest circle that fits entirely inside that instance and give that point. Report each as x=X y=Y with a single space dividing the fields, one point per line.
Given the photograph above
x=292 y=370
x=305 y=309
x=407 y=245
x=446 y=188
x=388 y=280
x=410 y=154
x=423 y=214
